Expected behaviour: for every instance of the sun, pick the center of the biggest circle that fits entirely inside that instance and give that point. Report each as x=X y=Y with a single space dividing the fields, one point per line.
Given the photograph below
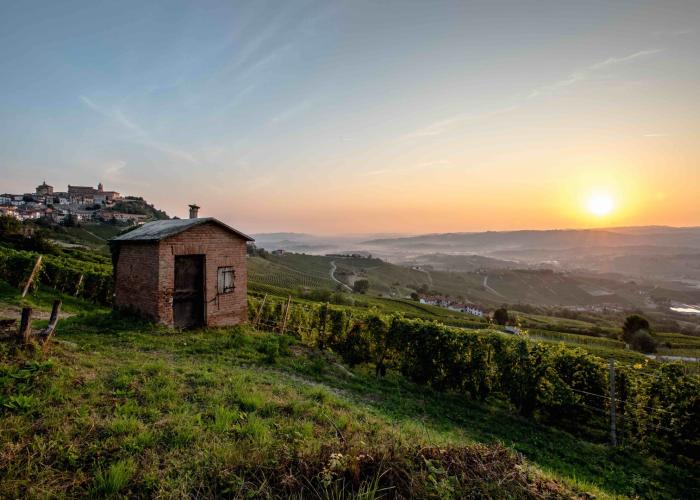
x=600 y=204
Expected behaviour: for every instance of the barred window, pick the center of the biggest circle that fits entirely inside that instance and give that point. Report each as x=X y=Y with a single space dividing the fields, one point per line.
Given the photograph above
x=226 y=279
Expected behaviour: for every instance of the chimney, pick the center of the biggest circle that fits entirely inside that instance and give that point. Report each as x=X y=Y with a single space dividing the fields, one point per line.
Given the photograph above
x=194 y=211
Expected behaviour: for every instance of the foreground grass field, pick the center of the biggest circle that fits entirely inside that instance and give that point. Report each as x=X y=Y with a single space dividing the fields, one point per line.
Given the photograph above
x=125 y=408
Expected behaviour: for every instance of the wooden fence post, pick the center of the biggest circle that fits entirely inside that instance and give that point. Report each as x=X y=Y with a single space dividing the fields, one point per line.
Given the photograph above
x=256 y=321
x=286 y=315
x=25 y=326
x=32 y=276
x=48 y=333
x=77 y=287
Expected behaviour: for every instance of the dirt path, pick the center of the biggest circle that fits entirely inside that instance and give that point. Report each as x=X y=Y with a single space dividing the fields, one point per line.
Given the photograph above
x=9 y=312
x=488 y=288
x=95 y=235
x=333 y=268
x=664 y=357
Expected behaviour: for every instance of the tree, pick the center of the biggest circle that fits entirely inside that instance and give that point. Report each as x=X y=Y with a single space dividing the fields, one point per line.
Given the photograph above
x=633 y=324
x=71 y=221
x=9 y=225
x=643 y=341
x=500 y=316
x=360 y=286
x=415 y=296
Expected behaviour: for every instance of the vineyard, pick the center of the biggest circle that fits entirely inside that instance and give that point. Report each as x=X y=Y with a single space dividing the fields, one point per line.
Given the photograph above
x=586 y=340
x=89 y=280
x=423 y=371
x=268 y=272
x=90 y=277
x=656 y=405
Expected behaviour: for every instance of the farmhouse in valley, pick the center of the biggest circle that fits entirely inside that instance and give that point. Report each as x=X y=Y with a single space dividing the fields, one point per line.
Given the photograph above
x=184 y=273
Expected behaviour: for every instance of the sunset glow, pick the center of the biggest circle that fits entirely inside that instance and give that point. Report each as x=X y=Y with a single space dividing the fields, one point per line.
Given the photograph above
x=379 y=117
x=600 y=204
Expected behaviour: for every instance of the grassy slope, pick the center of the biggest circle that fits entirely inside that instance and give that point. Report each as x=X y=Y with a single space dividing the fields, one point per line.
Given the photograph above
x=399 y=281
x=93 y=236
x=125 y=407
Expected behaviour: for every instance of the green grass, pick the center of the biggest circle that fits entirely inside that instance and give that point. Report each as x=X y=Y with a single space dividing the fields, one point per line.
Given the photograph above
x=42 y=300
x=126 y=408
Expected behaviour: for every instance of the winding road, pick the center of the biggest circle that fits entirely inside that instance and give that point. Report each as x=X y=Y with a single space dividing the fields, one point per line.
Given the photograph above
x=333 y=268
x=488 y=288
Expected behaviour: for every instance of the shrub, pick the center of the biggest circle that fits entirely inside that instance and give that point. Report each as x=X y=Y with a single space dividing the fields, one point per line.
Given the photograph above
x=633 y=324
x=643 y=341
x=500 y=316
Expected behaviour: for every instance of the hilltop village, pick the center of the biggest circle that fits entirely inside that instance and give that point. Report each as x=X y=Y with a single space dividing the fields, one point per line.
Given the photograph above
x=76 y=204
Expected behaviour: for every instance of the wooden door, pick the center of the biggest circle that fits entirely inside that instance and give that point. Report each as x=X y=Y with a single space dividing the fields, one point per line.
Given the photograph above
x=188 y=299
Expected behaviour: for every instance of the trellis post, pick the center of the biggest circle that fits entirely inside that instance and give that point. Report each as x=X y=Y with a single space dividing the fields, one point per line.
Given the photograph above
x=32 y=276
x=25 y=326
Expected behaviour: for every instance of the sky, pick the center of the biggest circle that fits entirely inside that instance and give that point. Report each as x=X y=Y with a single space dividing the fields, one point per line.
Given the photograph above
x=361 y=117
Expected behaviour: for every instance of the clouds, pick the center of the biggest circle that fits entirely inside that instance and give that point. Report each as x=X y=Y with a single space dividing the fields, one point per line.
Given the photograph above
x=113 y=171
x=442 y=126
x=290 y=112
x=578 y=76
x=434 y=164
x=588 y=72
x=141 y=136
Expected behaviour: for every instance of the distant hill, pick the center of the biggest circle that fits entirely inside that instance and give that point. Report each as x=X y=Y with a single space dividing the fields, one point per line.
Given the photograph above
x=662 y=252
x=549 y=239
x=469 y=262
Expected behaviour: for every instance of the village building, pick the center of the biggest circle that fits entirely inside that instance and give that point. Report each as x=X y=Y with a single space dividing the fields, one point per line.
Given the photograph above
x=452 y=304
x=184 y=273
x=8 y=210
x=88 y=194
x=44 y=189
x=28 y=213
x=110 y=215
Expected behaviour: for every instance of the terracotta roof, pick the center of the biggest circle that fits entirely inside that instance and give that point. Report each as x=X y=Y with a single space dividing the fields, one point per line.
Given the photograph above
x=161 y=229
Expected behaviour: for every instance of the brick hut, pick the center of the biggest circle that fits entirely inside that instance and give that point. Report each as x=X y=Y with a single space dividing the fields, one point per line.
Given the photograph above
x=184 y=273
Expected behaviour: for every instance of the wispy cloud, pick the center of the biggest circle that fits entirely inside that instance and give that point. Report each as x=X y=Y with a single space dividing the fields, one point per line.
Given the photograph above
x=113 y=171
x=117 y=116
x=290 y=112
x=441 y=126
x=410 y=168
x=589 y=72
x=655 y=135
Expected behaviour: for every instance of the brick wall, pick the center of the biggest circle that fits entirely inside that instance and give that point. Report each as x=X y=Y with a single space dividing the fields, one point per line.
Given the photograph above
x=145 y=275
x=136 y=279
x=221 y=249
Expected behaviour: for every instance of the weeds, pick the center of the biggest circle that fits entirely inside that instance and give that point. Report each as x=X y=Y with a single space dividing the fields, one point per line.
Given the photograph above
x=115 y=478
x=137 y=411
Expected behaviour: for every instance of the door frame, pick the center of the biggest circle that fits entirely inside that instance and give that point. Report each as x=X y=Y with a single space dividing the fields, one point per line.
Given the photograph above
x=203 y=284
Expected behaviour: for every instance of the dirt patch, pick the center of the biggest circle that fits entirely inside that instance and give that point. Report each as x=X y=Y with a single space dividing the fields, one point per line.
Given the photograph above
x=15 y=312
